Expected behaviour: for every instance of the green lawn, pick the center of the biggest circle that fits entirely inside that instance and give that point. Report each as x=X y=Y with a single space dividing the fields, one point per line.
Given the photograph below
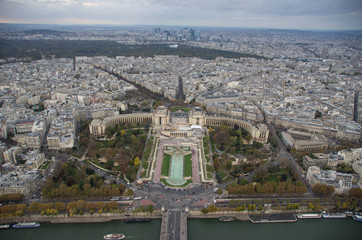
x=185 y=109
x=146 y=155
x=148 y=149
x=45 y=165
x=165 y=164
x=145 y=166
x=210 y=168
x=206 y=150
x=188 y=165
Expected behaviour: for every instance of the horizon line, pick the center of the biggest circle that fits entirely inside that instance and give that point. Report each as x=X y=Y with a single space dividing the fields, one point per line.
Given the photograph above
x=195 y=26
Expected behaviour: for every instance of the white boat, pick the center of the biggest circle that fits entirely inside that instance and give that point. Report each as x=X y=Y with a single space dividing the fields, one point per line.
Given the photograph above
x=357 y=218
x=27 y=225
x=308 y=215
x=227 y=219
x=114 y=236
x=334 y=215
x=4 y=226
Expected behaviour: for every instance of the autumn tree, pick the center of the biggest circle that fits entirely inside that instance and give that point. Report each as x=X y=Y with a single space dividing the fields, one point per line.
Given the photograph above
x=61 y=207
x=248 y=137
x=150 y=208
x=216 y=163
x=34 y=207
x=133 y=139
x=355 y=192
x=322 y=189
x=222 y=137
x=13 y=197
x=204 y=211
x=136 y=161
x=112 y=205
x=123 y=133
x=20 y=207
x=71 y=206
x=229 y=164
x=80 y=204
x=129 y=192
x=261 y=172
x=212 y=208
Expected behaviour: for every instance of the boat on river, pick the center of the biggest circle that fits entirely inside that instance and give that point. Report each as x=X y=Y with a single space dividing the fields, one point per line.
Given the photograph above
x=4 y=226
x=27 y=225
x=308 y=215
x=114 y=236
x=357 y=218
x=334 y=215
x=227 y=219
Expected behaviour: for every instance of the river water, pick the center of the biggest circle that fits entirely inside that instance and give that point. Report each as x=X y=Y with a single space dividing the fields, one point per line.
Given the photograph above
x=198 y=229
x=305 y=229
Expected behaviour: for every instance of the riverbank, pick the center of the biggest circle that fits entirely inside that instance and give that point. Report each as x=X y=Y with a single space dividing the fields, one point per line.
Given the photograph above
x=236 y=215
x=85 y=218
x=103 y=218
x=94 y=218
x=197 y=229
x=273 y=218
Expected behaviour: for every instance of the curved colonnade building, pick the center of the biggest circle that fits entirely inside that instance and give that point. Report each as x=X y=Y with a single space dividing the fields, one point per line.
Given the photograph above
x=162 y=117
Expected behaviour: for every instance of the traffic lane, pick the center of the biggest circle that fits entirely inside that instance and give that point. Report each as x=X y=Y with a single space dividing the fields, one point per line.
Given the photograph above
x=178 y=225
x=174 y=224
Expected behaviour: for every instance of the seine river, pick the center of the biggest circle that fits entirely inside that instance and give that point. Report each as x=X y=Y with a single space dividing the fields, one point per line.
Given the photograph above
x=198 y=229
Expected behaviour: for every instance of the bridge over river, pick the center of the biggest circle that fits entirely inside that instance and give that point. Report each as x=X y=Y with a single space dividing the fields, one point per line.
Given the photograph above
x=174 y=225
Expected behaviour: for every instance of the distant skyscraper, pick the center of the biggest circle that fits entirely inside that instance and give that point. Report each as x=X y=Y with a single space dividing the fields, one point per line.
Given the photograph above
x=156 y=30
x=324 y=52
x=355 y=106
x=198 y=35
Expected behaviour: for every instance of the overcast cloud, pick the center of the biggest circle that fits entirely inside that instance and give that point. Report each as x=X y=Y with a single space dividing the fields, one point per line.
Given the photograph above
x=287 y=14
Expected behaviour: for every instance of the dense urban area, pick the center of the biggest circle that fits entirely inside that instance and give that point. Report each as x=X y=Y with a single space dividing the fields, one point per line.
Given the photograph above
x=140 y=122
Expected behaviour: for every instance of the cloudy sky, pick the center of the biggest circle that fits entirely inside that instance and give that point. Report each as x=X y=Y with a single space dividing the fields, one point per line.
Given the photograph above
x=286 y=14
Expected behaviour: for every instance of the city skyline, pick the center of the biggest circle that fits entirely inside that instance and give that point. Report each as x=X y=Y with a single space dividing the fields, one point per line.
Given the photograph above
x=163 y=124
x=282 y=14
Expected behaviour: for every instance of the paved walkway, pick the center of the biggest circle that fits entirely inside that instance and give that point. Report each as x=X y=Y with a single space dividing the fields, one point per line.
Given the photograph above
x=195 y=165
x=159 y=160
